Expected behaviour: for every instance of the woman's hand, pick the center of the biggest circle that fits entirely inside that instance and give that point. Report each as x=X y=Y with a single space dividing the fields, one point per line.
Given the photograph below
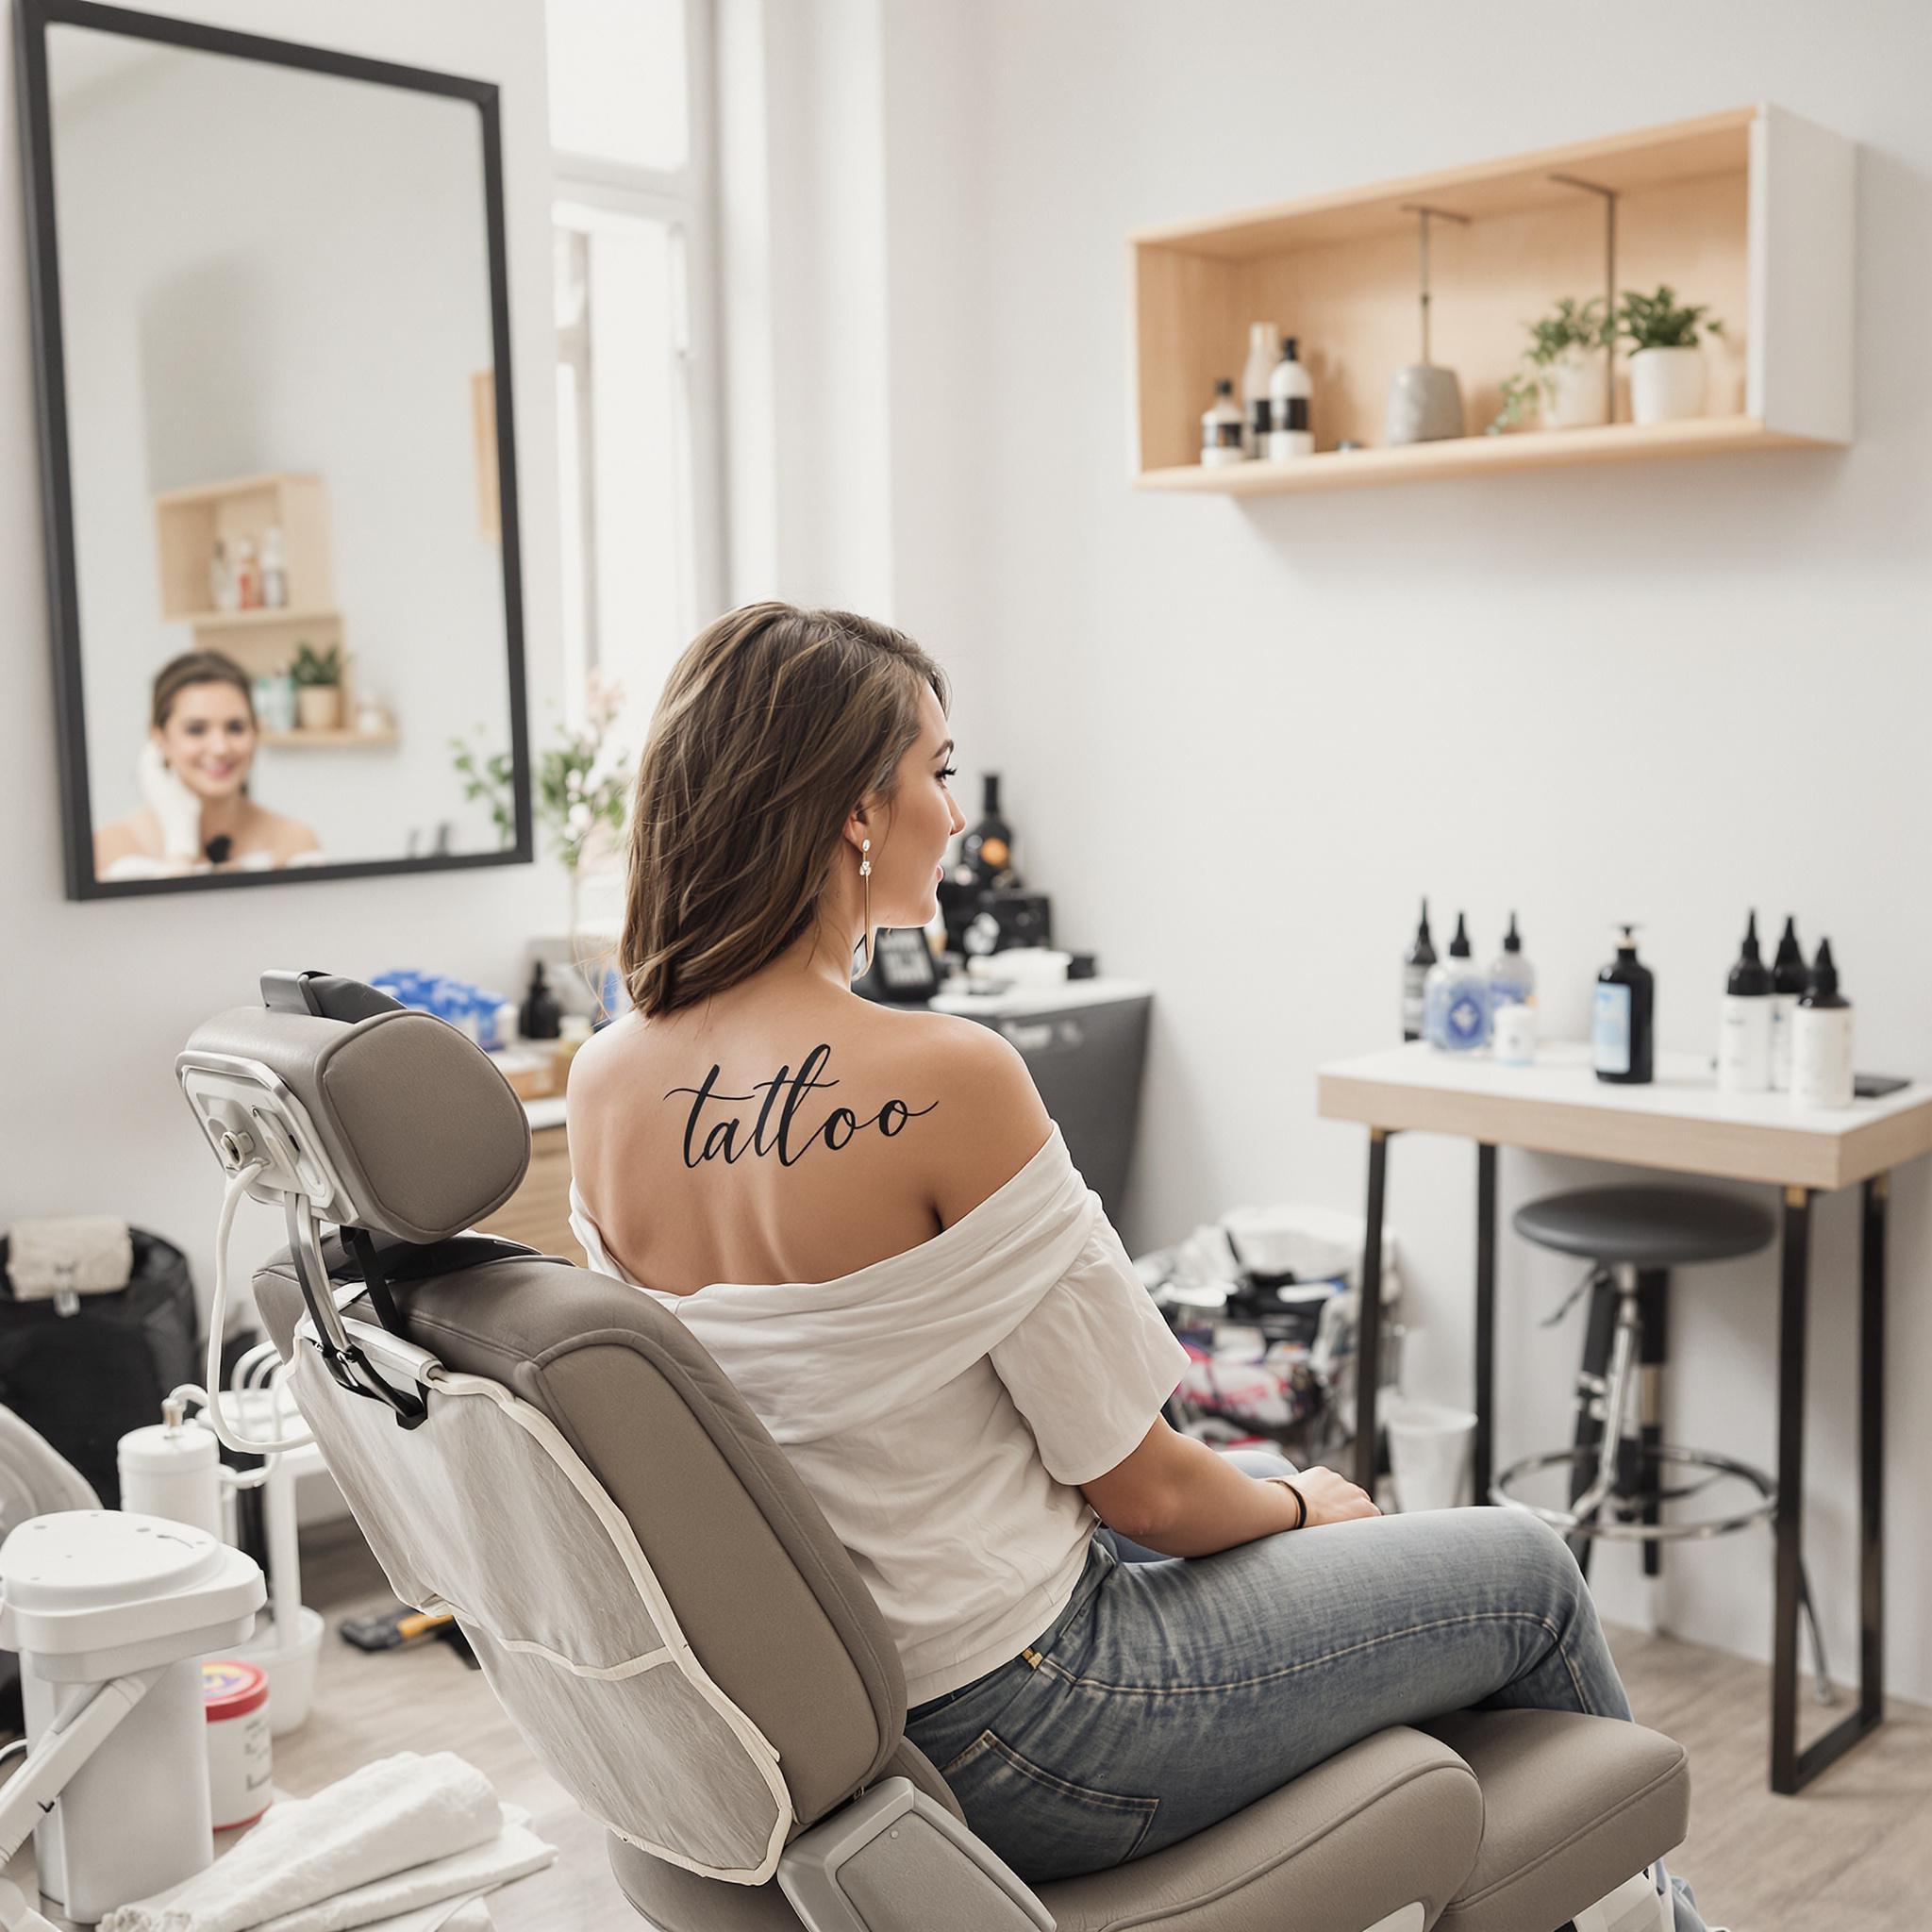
x=1332 y=1498
x=178 y=809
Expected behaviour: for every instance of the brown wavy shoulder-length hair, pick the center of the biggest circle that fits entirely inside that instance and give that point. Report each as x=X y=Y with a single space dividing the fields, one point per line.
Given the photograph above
x=772 y=728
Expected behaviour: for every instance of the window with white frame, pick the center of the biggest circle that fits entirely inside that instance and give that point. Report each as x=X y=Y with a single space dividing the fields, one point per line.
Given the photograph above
x=637 y=387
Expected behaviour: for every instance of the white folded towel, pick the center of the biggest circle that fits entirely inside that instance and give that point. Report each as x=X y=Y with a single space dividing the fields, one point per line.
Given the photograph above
x=74 y=1254
x=361 y=1850
x=450 y=1915
x=469 y=1915
x=392 y=1901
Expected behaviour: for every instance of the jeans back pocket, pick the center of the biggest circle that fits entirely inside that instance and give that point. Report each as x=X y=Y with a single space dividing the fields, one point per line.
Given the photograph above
x=1043 y=1826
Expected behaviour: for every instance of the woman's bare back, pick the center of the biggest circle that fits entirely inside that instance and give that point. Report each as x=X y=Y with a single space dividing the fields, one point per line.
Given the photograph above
x=775 y=1140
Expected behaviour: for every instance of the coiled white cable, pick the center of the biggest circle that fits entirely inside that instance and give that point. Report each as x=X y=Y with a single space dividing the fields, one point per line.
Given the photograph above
x=238 y=1185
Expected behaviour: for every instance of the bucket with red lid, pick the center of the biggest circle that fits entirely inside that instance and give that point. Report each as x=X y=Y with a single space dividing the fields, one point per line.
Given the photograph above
x=235 y=1697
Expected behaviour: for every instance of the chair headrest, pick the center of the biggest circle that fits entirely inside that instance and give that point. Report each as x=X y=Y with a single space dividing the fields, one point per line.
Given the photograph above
x=419 y=1133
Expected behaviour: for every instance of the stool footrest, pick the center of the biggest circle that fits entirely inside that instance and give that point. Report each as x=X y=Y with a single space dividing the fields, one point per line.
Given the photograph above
x=1586 y=1524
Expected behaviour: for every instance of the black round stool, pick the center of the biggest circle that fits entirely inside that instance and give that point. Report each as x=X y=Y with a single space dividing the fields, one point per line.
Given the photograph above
x=1632 y=1237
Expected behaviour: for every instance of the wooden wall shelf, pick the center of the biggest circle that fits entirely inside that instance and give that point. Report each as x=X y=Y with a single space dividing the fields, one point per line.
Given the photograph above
x=263 y=640
x=262 y=617
x=1750 y=211
x=344 y=737
x=1467 y=456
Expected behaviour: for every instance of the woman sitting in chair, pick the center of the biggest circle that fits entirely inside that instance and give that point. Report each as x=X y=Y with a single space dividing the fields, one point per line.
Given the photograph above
x=868 y=1218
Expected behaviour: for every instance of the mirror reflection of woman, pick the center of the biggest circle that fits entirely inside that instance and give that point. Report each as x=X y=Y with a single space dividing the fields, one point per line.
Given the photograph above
x=193 y=770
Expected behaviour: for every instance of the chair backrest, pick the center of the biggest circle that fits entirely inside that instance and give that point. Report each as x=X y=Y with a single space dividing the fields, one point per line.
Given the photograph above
x=654 y=1597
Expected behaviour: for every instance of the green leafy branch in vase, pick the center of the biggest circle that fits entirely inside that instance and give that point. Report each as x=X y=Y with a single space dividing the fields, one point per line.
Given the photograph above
x=581 y=781
x=1571 y=327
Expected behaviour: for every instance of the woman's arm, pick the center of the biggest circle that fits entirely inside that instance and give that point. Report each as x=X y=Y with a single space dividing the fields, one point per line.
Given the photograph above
x=1178 y=1496
x=1170 y=1493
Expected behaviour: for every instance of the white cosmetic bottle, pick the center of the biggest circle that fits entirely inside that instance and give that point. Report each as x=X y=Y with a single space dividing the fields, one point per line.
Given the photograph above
x=1255 y=375
x=1743 y=1041
x=1822 y=1038
x=1789 y=979
x=1290 y=391
x=1220 y=429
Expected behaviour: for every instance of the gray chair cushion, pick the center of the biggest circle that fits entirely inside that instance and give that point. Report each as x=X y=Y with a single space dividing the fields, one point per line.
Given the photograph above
x=1575 y=1805
x=767 y=1595
x=422 y=1129
x=1645 y=1226
x=1395 y=1818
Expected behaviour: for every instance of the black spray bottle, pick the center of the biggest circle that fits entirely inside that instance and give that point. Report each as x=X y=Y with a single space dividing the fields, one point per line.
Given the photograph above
x=1415 y=973
x=1622 y=1016
x=1743 y=1037
x=1791 y=979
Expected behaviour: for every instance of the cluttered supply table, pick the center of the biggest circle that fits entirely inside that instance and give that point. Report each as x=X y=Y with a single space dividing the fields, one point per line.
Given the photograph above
x=1682 y=1123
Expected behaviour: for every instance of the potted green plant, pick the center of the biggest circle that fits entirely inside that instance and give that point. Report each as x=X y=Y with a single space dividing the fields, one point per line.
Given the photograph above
x=1560 y=376
x=1666 y=364
x=317 y=687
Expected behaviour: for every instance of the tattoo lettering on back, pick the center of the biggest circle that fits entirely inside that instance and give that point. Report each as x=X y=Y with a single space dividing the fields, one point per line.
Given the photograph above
x=723 y=1136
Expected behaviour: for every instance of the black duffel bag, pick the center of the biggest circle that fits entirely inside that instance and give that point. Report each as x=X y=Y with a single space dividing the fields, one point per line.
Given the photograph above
x=84 y=1379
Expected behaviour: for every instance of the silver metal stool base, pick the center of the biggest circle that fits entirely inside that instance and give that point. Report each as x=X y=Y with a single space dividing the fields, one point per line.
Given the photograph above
x=1582 y=1518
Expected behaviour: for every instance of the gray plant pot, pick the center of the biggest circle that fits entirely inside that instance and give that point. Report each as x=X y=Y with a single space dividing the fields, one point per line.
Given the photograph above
x=1424 y=405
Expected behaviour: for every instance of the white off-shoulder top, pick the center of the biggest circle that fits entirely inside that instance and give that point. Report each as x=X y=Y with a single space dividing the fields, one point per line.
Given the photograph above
x=943 y=1405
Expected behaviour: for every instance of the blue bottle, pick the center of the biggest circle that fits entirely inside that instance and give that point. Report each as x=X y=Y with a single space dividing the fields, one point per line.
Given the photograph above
x=1512 y=975
x=1456 y=999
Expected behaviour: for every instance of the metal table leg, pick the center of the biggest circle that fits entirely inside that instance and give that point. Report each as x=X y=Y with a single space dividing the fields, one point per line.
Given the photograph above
x=1368 y=1341
x=1793 y=1281
x=1877 y=1194
x=1485 y=1317
x=1791 y=1769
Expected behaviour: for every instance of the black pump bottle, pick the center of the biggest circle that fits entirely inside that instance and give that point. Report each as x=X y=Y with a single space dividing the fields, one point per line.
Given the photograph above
x=1621 y=1019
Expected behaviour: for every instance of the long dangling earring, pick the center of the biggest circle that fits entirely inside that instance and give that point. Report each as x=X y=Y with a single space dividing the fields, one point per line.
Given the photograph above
x=865 y=874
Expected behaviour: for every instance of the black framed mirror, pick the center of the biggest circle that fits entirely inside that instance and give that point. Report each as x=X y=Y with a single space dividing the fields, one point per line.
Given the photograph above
x=278 y=472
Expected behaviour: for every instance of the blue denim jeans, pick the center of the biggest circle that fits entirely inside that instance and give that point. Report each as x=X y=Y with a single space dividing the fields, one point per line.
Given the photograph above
x=1172 y=1692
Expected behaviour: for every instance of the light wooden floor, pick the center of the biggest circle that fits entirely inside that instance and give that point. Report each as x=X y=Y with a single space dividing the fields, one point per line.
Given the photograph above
x=1853 y=1853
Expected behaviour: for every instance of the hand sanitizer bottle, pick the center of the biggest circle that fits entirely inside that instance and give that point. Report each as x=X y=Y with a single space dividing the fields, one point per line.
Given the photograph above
x=1822 y=1038
x=1743 y=1041
x=1220 y=428
x=1456 y=999
x=1790 y=980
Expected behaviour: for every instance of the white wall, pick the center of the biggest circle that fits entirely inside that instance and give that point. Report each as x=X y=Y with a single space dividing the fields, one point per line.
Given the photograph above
x=1239 y=739
x=805 y=317
x=103 y=993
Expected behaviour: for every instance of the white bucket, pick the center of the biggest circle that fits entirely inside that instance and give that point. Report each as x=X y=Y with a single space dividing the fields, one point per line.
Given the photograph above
x=1431 y=1453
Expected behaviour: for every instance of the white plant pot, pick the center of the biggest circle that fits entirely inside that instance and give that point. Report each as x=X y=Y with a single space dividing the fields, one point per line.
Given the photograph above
x=1666 y=385
x=1573 y=398
x=318 y=706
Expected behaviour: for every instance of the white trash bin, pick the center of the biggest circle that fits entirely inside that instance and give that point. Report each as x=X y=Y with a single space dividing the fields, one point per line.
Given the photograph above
x=1431 y=1453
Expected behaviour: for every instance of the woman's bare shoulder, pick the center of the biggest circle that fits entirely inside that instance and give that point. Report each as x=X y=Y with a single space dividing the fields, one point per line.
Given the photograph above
x=989 y=1121
x=282 y=835
x=136 y=833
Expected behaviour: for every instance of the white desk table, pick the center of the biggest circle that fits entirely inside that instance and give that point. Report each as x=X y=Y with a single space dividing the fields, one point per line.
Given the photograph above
x=1682 y=1123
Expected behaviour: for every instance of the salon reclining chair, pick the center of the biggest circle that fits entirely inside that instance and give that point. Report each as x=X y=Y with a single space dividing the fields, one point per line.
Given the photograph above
x=662 y=1608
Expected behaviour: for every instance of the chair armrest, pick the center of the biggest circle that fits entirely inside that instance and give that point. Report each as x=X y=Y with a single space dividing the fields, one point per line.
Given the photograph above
x=893 y=1860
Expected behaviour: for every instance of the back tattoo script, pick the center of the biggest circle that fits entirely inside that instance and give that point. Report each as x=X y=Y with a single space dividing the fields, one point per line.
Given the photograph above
x=722 y=1136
